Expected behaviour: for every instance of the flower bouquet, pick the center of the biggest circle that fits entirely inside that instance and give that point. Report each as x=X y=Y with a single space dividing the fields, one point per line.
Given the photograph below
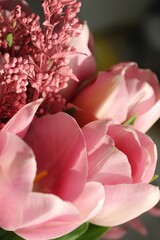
x=75 y=160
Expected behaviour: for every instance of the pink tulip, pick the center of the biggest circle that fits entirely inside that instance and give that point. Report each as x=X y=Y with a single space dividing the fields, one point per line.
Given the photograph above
x=124 y=161
x=119 y=94
x=83 y=59
x=50 y=196
x=67 y=187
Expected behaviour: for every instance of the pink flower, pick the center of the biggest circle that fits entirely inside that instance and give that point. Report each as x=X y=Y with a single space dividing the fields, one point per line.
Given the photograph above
x=121 y=93
x=82 y=59
x=44 y=188
x=124 y=161
x=68 y=178
x=85 y=59
x=35 y=61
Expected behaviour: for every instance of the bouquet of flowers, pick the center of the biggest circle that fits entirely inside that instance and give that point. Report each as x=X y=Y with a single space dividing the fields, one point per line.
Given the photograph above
x=75 y=160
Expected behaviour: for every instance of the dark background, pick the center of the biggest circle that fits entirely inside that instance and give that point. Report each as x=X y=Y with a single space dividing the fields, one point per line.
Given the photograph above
x=125 y=30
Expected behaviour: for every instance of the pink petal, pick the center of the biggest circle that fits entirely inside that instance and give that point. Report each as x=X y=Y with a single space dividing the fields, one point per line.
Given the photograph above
x=60 y=151
x=145 y=121
x=85 y=60
x=97 y=100
x=141 y=97
x=18 y=168
x=90 y=202
x=82 y=59
x=20 y=122
x=149 y=149
x=95 y=135
x=46 y=216
x=125 y=202
x=143 y=87
x=107 y=164
x=135 y=146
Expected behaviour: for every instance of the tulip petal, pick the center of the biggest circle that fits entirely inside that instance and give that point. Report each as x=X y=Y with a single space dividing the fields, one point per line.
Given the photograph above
x=95 y=135
x=144 y=94
x=84 y=60
x=144 y=122
x=46 y=216
x=142 y=86
x=17 y=168
x=149 y=151
x=106 y=164
x=60 y=152
x=97 y=100
x=109 y=166
x=20 y=122
x=141 y=97
x=125 y=202
x=139 y=149
x=90 y=201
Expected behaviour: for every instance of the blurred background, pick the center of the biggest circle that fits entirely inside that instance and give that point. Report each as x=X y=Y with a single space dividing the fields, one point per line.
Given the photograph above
x=126 y=30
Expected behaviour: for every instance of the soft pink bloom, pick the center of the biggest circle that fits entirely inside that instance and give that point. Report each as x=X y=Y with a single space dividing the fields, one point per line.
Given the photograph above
x=83 y=62
x=124 y=161
x=44 y=188
x=64 y=186
x=21 y=121
x=121 y=93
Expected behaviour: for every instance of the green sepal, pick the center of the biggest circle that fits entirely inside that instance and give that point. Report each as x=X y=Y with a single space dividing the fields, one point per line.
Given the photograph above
x=131 y=120
x=10 y=39
x=14 y=24
x=71 y=111
x=8 y=235
x=76 y=233
x=93 y=232
x=154 y=178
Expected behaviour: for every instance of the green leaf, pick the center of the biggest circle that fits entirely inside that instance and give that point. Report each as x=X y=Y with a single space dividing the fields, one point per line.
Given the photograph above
x=131 y=120
x=76 y=233
x=154 y=178
x=7 y=235
x=93 y=232
x=10 y=39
